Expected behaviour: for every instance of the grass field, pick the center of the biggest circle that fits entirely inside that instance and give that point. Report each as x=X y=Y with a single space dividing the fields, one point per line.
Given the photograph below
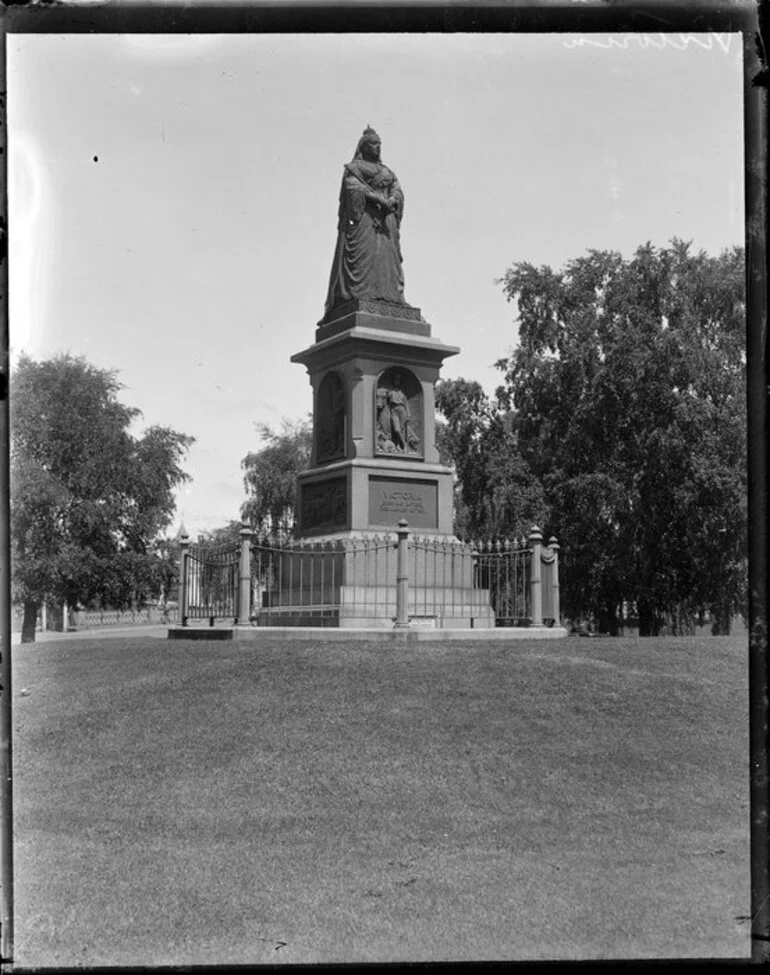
x=225 y=802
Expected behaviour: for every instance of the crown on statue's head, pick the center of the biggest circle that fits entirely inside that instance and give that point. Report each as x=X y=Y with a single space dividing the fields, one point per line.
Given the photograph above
x=367 y=136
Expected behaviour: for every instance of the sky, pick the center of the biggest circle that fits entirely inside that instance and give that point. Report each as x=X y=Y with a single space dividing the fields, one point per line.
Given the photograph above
x=173 y=199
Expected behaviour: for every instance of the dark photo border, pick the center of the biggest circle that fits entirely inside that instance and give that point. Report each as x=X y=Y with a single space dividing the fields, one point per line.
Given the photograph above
x=360 y=16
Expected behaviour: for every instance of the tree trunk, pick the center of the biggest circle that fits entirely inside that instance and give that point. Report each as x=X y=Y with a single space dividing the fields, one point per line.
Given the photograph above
x=720 y=621
x=608 y=621
x=29 y=622
x=649 y=624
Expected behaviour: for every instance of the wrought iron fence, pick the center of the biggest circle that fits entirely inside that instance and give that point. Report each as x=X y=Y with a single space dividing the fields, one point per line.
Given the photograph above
x=84 y=619
x=444 y=586
x=374 y=580
x=307 y=583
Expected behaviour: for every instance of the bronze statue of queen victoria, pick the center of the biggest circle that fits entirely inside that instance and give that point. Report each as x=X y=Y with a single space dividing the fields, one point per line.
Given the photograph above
x=367 y=259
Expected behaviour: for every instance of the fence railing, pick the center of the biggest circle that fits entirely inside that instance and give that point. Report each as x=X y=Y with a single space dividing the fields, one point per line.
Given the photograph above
x=86 y=619
x=373 y=580
x=311 y=583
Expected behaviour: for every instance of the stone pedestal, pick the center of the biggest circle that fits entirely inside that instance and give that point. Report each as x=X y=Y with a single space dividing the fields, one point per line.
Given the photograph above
x=373 y=369
x=371 y=373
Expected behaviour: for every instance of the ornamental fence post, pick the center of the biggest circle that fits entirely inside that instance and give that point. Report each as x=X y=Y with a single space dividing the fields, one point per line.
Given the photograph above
x=244 y=583
x=184 y=555
x=553 y=547
x=402 y=576
x=535 y=577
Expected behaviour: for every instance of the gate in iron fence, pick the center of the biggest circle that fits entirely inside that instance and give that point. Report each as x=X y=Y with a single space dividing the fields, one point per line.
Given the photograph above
x=503 y=569
x=209 y=584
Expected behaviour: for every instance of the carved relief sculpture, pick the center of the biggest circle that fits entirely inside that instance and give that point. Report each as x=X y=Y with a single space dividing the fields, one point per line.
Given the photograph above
x=398 y=413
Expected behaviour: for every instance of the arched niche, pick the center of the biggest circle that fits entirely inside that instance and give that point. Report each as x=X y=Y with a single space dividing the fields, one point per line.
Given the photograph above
x=398 y=414
x=331 y=419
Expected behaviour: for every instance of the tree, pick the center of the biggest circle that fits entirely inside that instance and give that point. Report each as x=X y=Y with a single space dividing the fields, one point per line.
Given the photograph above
x=164 y=575
x=628 y=391
x=496 y=495
x=89 y=500
x=227 y=538
x=270 y=476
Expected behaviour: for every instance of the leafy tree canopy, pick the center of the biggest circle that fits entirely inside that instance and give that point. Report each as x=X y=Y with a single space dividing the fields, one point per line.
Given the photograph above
x=227 y=538
x=270 y=476
x=89 y=499
x=497 y=495
x=627 y=391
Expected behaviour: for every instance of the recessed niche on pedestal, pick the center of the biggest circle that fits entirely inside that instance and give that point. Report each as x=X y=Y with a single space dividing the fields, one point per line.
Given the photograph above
x=330 y=419
x=324 y=505
x=399 y=428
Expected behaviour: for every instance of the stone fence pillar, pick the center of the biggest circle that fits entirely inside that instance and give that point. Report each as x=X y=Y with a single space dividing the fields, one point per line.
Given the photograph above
x=553 y=548
x=244 y=581
x=536 y=575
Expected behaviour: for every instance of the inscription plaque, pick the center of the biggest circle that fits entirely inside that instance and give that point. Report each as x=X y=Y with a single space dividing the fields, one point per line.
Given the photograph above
x=324 y=504
x=391 y=499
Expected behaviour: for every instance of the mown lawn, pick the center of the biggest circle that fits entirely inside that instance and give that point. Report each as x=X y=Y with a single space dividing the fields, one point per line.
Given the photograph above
x=224 y=802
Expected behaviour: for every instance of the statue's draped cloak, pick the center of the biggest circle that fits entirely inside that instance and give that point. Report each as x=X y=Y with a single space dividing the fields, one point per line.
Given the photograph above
x=367 y=259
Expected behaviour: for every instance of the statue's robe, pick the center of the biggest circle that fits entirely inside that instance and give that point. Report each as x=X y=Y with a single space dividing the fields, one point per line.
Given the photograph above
x=367 y=259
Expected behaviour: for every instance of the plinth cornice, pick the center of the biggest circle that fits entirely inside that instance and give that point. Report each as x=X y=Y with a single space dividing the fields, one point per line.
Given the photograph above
x=385 y=465
x=373 y=342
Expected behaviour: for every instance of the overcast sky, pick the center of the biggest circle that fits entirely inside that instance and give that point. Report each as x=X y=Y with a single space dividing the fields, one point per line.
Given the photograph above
x=173 y=200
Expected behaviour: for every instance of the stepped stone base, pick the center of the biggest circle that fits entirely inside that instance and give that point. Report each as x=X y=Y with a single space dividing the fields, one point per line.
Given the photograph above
x=414 y=634
x=375 y=607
